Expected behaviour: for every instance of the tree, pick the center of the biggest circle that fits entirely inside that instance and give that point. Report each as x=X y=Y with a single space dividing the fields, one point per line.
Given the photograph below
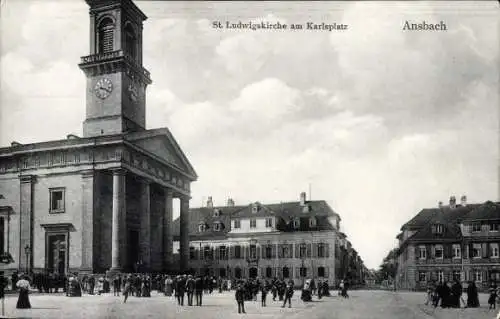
x=389 y=266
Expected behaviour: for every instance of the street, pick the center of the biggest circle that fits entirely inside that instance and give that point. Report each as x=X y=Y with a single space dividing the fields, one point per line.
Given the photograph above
x=361 y=304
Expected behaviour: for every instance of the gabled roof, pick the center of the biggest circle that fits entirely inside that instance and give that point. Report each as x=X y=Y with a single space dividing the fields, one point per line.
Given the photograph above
x=248 y=211
x=161 y=143
x=428 y=214
x=486 y=211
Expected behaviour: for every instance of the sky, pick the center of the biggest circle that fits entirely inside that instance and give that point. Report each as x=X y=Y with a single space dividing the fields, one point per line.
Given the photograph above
x=377 y=121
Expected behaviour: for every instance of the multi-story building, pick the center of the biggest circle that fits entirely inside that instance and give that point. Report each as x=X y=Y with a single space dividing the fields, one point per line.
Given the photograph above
x=293 y=240
x=450 y=242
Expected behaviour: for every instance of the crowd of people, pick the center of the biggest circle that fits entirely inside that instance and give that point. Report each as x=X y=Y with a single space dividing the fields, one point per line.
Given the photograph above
x=450 y=295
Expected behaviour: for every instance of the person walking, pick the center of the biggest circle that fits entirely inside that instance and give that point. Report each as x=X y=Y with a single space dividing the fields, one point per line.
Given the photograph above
x=263 y=293
x=117 y=283
x=198 y=288
x=190 y=289
x=23 y=301
x=472 y=295
x=127 y=288
x=168 y=286
x=492 y=300
x=240 y=298
x=456 y=294
x=180 y=290
x=288 y=295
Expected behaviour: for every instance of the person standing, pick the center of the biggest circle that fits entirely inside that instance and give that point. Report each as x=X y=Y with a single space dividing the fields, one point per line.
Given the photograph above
x=492 y=300
x=472 y=295
x=198 y=287
x=190 y=289
x=263 y=293
x=180 y=290
x=240 y=298
x=288 y=295
x=456 y=294
x=127 y=288
x=117 y=283
x=168 y=286
x=23 y=302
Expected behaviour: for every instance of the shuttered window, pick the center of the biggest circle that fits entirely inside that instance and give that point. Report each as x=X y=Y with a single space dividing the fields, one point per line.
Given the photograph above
x=106 y=36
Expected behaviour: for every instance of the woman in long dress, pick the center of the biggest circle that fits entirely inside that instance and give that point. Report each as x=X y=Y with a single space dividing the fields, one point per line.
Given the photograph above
x=168 y=286
x=23 y=302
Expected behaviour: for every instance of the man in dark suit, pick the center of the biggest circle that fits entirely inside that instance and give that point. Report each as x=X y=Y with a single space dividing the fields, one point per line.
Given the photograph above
x=198 y=288
x=180 y=290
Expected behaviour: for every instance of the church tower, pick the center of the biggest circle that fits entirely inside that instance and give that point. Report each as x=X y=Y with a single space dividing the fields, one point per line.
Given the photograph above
x=116 y=78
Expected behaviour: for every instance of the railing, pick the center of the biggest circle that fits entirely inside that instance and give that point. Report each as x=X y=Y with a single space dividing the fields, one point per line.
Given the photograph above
x=102 y=56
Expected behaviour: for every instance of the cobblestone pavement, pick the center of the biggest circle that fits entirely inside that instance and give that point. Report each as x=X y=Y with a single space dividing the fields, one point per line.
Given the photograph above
x=361 y=304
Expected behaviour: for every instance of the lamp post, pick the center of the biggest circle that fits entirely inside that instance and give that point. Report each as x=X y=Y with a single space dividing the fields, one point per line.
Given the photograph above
x=27 y=251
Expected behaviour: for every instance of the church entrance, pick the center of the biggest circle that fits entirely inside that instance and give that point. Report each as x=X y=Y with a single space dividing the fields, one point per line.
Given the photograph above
x=133 y=250
x=252 y=273
x=57 y=253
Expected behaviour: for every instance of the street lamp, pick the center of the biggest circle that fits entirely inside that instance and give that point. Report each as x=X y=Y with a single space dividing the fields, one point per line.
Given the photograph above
x=27 y=251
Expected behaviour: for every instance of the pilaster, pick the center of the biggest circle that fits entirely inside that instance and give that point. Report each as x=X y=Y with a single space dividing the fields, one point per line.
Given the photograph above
x=145 y=230
x=88 y=207
x=26 y=221
x=168 y=236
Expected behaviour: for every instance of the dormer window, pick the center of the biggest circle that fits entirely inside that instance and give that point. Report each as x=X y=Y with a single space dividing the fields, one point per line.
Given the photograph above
x=202 y=227
x=269 y=222
x=255 y=208
x=296 y=223
x=312 y=222
x=218 y=226
x=438 y=229
x=217 y=212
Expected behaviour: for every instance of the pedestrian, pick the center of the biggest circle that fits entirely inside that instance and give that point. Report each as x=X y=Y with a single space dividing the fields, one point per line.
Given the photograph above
x=190 y=283
x=117 y=282
x=23 y=301
x=198 y=288
x=493 y=296
x=240 y=298
x=168 y=286
x=180 y=290
x=263 y=293
x=472 y=295
x=429 y=293
x=456 y=294
x=288 y=295
x=320 y=289
x=127 y=288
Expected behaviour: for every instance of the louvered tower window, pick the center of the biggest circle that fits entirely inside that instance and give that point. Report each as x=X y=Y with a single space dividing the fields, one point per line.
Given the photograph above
x=106 y=36
x=130 y=42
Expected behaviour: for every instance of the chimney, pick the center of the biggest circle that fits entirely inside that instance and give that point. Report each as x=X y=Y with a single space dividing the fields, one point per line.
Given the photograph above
x=303 y=199
x=453 y=202
x=440 y=204
x=210 y=203
x=230 y=202
x=463 y=200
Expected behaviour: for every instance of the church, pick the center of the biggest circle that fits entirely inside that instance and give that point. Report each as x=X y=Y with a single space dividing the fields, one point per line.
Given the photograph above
x=103 y=201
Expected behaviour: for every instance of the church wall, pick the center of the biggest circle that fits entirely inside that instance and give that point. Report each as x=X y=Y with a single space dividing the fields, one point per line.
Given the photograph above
x=9 y=188
x=72 y=185
x=102 y=223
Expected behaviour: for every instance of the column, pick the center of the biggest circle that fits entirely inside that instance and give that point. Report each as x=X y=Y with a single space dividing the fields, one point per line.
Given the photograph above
x=168 y=236
x=88 y=207
x=184 y=232
x=26 y=221
x=118 y=219
x=145 y=217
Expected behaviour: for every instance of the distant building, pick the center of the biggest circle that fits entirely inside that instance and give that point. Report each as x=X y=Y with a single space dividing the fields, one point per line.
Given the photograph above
x=292 y=240
x=456 y=241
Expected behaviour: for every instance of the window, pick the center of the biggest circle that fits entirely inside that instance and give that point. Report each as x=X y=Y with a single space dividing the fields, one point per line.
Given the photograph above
x=457 y=252
x=202 y=227
x=130 y=42
x=286 y=272
x=2 y=234
x=312 y=222
x=321 y=271
x=439 y=229
x=237 y=272
x=56 y=200
x=237 y=252
x=303 y=272
x=476 y=251
x=476 y=227
x=255 y=208
x=269 y=272
x=440 y=276
x=217 y=226
x=302 y=251
x=269 y=222
x=253 y=252
x=422 y=252
x=268 y=251
x=106 y=35
x=222 y=253
x=494 y=227
x=216 y=212
x=457 y=275
x=253 y=223
x=494 y=250
x=208 y=253
x=478 y=276
x=321 y=250
x=296 y=223
x=438 y=252
x=285 y=253
x=237 y=223
x=422 y=276
x=192 y=252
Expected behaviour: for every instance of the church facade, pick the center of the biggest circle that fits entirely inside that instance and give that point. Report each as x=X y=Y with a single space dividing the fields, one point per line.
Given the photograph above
x=102 y=201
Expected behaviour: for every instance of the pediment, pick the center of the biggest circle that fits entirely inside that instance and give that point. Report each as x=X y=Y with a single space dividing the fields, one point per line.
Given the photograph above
x=161 y=144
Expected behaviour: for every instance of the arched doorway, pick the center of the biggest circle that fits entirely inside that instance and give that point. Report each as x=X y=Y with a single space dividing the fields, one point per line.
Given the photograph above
x=286 y=272
x=252 y=273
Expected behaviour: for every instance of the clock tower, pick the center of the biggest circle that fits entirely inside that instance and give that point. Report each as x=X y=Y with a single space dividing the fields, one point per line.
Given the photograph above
x=116 y=78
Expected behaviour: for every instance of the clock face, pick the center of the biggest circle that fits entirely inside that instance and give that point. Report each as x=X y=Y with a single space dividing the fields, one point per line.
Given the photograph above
x=133 y=93
x=103 y=88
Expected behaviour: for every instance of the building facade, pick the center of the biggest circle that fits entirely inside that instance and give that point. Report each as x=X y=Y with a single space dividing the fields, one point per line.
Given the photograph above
x=457 y=241
x=99 y=202
x=293 y=240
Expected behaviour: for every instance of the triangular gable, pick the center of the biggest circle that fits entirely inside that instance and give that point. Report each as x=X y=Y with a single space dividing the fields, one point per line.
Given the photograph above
x=162 y=144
